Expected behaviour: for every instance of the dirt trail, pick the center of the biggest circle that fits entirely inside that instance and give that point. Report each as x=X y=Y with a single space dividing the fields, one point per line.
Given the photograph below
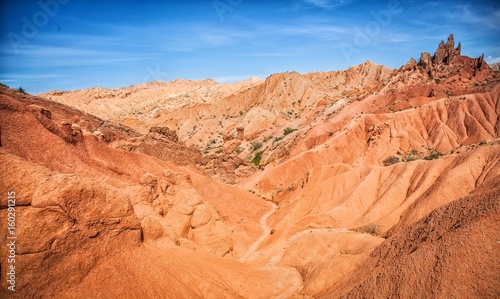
x=297 y=283
x=266 y=230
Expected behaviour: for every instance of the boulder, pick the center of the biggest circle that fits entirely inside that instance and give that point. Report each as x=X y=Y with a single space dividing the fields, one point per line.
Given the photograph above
x=201 y=216
x=230 y=146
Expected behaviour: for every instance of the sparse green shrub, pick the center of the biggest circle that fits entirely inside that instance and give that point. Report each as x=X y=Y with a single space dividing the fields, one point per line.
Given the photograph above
x=483 y=142
x=287 y=131
x=257 y=158
x=370 y=228
x=391 y=160
x=414 y=152
x=256 y=146
x=218 y=152
x=21 y=89
x=239 y=150
x=276 y=139
x=433 y=154
x=411 y=158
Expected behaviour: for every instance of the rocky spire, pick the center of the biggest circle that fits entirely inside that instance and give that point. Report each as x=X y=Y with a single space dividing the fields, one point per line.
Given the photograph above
x=440 y=53
x=451 y=42
x=481 y=63
x=425 y=60
x=445 y=53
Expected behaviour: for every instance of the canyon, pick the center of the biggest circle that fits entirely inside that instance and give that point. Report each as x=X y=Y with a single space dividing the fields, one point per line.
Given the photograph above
x=368 y=182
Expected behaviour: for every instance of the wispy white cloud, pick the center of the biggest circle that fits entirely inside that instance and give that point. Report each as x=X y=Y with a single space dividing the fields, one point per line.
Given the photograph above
x=466 y=14
x=215 y=39
x=54 y=51
x=299 y=5
x=29 y=76
x=491 y=59
x=268 y=54
x=488 y=19
x=214 y=36
x=324 y=31
x=34 y=56
x=320 y=3
x=399 y=37
x=327 y=4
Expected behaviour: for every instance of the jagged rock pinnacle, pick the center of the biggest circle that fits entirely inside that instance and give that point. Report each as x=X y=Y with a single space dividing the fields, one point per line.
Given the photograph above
x=445 y=53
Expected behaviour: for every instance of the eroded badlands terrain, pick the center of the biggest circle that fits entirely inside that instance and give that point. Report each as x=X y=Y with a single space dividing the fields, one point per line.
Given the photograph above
x=365 y=183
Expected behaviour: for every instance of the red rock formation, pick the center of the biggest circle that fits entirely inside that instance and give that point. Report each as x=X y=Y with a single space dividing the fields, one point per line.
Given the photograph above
x=445 y=54
x=371 y=182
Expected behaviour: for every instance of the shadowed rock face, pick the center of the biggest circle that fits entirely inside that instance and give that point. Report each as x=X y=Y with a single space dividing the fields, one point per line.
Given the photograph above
x=446 y=53
x=368 y=182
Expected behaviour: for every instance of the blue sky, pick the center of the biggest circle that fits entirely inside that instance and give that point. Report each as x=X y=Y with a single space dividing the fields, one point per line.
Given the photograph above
x=75 y=44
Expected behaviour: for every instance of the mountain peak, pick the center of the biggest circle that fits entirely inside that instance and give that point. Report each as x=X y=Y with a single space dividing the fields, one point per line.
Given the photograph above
x=445 y=53
x=445 y=56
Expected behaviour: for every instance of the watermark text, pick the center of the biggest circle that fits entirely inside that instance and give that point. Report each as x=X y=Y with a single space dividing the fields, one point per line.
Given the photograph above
x=30 y=26
x=11 y=241
x=224 y=6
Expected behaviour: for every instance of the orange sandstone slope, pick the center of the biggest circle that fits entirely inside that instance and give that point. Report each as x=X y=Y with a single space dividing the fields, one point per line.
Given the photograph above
x=366 y=171
x=369 y=182
x=82 y=205
x=450 y=253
